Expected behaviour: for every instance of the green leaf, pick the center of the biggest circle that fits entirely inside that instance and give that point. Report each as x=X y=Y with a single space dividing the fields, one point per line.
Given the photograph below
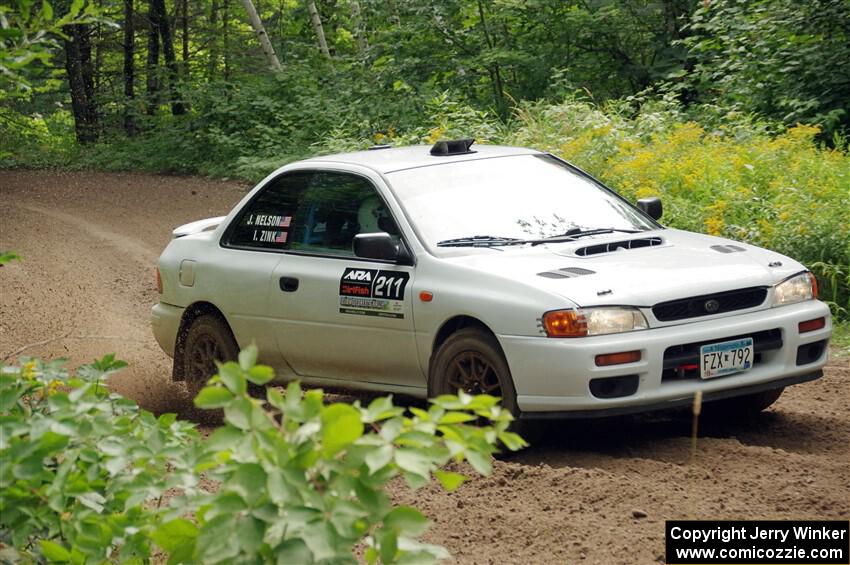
x=406 y=520
x=177 y=537
x=378 y=457
x=213 y=397
x=480 y=462
x=260 y=374
x=232 y=377
x=167 y=419
x=248 y=357
x=341 y=426
x=388 y=545
x=239 y=412
x=449 y=479
x=293 y=551
x=456 y=418
x=413 y=461
x=54 y=552
x=249 y=481
x=512 y=441
x=275 y=398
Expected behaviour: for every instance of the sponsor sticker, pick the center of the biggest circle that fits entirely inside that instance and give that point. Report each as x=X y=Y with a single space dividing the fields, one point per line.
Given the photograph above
x=271 y=228
x=372 y=292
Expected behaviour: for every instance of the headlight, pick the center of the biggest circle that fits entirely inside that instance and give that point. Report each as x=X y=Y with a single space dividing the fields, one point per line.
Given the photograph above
x=593 y=321
x=795 y=289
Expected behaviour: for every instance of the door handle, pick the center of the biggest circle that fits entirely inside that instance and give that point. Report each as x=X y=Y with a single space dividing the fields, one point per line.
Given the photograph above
x=288 y=284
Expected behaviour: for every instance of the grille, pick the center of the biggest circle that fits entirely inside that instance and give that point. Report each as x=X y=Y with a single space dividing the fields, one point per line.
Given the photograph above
x=618 y=245
x=709 y=304
x=682 y=361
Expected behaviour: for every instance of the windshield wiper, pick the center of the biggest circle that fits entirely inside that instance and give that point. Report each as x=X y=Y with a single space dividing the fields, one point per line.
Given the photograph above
x=480 y=240
x=576 y=233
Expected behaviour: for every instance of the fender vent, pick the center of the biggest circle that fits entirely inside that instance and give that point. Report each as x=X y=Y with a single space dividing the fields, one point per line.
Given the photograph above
x=618 y=245
x=566 y=273
x=727 y=248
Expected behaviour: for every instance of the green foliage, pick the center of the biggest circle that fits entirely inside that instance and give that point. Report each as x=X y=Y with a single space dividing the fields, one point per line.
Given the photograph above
x=781 y=58
x=8 y=257
x=29 y=33
x=88 y=476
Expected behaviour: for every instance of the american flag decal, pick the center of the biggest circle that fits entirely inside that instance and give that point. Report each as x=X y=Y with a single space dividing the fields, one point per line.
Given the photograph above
x=284 y=223
x=280 y=237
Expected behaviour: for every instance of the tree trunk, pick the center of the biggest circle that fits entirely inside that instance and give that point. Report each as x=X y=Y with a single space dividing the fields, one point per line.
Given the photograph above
x=177 y=107
x=152 y=69
x=129 y=69
x=317 y=27
x=225 y=38
x=495 y=72
x=260 y=30
x=359 y=32
x=78 y=65
x=212 y=64
x=185 y=38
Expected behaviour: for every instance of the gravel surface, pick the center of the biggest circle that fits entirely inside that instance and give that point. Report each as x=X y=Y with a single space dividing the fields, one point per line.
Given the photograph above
x=591 y=492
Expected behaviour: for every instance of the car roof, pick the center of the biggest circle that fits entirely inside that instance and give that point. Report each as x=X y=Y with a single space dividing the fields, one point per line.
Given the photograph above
x=387 y=160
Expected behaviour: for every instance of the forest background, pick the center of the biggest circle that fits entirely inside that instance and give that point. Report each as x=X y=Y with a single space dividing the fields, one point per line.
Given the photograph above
x=734 y=112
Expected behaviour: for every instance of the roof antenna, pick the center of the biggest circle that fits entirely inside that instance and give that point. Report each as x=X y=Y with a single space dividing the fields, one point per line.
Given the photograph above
x=445 y=148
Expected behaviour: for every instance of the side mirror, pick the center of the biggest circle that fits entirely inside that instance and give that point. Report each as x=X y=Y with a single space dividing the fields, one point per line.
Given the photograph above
x=651 y=207
x=380 y=245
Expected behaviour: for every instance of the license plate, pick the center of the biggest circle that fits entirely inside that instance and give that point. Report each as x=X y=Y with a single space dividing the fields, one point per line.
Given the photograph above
x=725 y=358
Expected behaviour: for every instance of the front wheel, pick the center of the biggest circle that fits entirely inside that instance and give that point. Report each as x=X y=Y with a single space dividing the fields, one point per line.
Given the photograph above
x=472 y=361
x=208 y=340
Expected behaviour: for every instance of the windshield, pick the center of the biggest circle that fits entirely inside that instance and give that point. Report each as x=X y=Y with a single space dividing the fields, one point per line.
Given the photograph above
x=508 y=198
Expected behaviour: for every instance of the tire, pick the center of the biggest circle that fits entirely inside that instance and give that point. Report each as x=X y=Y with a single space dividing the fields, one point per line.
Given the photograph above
x=472 y=360
x=208 y=339
x=744 y=406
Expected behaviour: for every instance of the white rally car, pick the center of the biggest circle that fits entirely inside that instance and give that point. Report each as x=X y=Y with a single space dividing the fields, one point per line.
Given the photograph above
x=488 y=269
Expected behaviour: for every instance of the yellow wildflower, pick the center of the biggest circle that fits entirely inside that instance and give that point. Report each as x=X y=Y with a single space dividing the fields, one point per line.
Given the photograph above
x=28 y=370
x=714 y=225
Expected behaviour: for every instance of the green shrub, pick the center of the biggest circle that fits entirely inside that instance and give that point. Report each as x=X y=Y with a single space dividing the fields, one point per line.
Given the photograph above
x=88 y=476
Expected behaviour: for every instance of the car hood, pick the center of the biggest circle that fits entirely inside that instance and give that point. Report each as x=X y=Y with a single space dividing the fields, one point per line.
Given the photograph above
x=674 y=264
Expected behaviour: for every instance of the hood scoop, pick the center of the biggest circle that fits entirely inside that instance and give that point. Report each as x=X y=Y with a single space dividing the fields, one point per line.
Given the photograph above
x=727 y=248
x=611 y=246
x=565 y=273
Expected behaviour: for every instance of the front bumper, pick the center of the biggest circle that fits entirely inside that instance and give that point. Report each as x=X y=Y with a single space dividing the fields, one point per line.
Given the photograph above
x=165 y=322
x=552 y=376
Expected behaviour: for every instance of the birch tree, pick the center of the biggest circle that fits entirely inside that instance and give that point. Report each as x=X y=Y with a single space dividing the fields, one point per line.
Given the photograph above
x=317 y=27
x=260 y=30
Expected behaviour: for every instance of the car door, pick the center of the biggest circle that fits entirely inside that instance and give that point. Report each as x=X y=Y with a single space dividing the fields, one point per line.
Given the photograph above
x=339 y=316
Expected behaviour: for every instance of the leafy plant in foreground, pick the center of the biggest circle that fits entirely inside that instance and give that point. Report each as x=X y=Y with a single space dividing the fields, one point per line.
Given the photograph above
x=88 y=476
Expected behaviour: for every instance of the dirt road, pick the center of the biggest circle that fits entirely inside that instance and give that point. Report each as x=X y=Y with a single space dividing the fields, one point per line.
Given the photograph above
x=592 y=492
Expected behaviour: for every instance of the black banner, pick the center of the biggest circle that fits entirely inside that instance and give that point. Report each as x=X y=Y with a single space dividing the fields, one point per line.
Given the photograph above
x=758 y=542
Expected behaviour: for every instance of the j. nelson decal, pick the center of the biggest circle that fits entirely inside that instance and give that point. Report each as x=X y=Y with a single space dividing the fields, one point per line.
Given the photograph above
x=372 y=292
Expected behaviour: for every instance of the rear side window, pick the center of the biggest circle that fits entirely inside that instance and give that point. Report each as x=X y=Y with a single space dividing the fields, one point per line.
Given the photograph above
x=267 y=220
x=313 y=212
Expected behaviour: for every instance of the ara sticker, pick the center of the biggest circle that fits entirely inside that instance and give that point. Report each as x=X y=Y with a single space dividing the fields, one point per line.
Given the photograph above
x=372 y=292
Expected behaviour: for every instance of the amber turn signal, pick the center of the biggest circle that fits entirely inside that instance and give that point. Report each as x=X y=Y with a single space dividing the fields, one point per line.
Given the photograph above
x=564 y=323
x=814 y=286
x=617 y=358
x=811 y=325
